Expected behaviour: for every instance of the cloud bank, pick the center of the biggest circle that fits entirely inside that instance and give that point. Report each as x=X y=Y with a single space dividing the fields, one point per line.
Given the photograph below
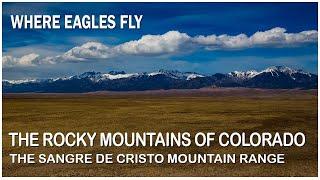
x=172 y=42
x=276 y=37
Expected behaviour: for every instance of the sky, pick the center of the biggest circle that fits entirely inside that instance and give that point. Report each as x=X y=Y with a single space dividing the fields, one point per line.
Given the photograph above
x=199 y=37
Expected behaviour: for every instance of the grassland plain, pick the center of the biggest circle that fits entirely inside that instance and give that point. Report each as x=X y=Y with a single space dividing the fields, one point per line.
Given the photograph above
x=217 y=110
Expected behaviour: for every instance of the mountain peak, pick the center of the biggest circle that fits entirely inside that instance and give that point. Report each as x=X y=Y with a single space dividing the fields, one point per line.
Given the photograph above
x=177 y=74
x=88 y=74
x=116 y=72
x=275 y=70
x=168 y=71
x=272 y=77
x=244 y=75
x=280 y=69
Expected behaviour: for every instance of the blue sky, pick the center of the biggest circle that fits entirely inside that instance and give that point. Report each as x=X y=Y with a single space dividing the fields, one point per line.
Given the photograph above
x=284 y=45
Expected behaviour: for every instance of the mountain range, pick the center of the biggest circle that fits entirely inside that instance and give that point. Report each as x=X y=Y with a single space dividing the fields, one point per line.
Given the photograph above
x=276 y=77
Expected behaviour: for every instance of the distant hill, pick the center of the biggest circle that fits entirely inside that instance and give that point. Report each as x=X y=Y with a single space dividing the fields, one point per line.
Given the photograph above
x=276 y=77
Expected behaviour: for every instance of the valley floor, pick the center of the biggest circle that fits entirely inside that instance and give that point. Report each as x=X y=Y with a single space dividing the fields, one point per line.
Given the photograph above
x=217 y=110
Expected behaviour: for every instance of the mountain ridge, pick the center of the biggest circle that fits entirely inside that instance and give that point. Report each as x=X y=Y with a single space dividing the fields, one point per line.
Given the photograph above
x=275 y=77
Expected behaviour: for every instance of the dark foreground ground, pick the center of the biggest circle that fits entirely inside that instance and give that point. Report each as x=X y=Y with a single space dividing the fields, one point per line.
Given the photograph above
x=217 y=110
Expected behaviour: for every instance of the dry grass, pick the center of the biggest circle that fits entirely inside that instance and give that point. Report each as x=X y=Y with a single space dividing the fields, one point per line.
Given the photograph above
x=278 y=111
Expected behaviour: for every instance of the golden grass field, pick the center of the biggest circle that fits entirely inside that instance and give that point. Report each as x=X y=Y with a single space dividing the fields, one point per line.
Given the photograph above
x=217 y=110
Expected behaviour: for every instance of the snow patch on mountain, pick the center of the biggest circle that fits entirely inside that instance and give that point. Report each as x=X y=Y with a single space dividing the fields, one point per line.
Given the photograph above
x=21 y=81
x=193 y=76
x=176 y=74
x=275 y=71
x=119 y=76
x=244 y=75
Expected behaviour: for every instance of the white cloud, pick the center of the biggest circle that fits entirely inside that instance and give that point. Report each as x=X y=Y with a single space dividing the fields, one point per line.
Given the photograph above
x=273 y=37
x=26 y=60
x=302 y=37
x=8 y=61
x=279 y=36
x=213 y=42
x=171 y=42
x=89 y=50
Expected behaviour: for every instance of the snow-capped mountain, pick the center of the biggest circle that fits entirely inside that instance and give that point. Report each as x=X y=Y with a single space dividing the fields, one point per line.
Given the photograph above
x=243 y=75
x=97 y=76
x=112 y=75
x=274 y=71
x=272 y=77
x=176 y=74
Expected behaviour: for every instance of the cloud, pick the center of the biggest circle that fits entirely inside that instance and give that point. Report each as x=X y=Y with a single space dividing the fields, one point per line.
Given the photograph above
x=214 y=42
x=26 y=60
x=276 y=37
x=172 y=42
x=89 y=50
